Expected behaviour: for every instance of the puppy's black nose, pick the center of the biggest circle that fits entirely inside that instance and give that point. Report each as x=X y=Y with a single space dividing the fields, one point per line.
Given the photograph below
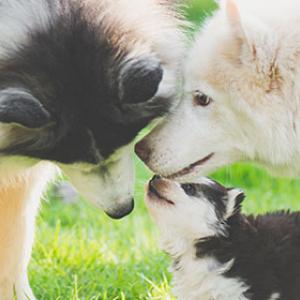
x=155 y=178
x=143 y=151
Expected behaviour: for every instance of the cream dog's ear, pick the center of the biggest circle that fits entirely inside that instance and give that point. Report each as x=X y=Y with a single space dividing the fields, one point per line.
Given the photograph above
x=234 y=19
x=261 y=43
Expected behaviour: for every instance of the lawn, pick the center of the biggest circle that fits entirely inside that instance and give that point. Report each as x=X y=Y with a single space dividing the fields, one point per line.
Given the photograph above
x=80 y=253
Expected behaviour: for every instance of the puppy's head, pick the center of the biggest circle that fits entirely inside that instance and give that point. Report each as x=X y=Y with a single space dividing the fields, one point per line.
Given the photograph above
x=78 y=81
x=191 y=211
x=239 y=95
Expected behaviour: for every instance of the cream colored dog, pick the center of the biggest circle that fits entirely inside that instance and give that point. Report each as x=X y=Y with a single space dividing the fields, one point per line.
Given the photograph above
x=241 y=95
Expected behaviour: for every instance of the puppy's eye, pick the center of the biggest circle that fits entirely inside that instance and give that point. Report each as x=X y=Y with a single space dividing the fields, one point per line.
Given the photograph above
x=189 y=189
x=201 y=99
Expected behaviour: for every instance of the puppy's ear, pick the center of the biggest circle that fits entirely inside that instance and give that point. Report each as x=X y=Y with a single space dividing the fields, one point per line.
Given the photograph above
x=139 y=80
x=20 y=107
x=234 y=203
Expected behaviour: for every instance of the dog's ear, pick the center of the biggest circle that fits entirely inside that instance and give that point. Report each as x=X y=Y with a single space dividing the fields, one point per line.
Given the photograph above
x=20 y=107
x=234 y=202
x=256 y=41
x=139 y=79
x=234 y=19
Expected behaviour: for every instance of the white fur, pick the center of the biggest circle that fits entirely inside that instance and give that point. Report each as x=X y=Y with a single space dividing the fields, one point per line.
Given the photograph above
x=181 y=225
x=247 y=59
x=18 y=18
x=231 y=204
x=109 y=185
x=275 y=296
x=202 y=279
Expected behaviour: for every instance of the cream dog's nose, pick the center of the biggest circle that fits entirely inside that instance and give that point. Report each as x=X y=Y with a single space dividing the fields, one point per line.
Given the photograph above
x=143 y=151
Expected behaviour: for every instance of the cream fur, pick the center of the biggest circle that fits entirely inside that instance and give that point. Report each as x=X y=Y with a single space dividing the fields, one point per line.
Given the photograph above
x=19 y=202
x=247 y=59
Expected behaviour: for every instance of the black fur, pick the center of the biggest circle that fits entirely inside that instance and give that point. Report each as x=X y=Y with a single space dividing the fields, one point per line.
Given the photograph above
x=96 y=101
x=266 y=253
x=22 y=109
x=265 y=250
x=139 y=80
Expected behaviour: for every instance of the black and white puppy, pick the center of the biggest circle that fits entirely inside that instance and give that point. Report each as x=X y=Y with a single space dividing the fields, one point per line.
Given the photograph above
x=78 y=80
x=220 y=253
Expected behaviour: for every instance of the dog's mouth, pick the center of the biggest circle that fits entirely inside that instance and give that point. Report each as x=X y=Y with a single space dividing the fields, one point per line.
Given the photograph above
x=154 y=194
x=191 y=168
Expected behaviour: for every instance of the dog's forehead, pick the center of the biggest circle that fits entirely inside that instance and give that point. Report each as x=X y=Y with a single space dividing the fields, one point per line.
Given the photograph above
x=66 y=66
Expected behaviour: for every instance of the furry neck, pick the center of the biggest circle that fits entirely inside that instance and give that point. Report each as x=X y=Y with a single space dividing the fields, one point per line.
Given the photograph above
x=198 y=271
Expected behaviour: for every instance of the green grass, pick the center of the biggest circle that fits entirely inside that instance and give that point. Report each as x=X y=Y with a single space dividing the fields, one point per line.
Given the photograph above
x=81 y=254
x=199 y=9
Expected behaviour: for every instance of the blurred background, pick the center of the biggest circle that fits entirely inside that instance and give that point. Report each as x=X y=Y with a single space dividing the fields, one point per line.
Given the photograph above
x=82 y=254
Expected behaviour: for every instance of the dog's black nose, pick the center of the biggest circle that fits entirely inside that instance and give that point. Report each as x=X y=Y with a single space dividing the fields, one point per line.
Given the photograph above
x=122 y=211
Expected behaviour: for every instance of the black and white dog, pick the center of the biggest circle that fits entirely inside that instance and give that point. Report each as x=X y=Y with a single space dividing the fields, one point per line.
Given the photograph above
x=220 y=253
x=78 y=80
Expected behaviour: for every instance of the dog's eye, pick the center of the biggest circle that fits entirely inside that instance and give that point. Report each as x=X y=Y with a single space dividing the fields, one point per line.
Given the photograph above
x=201 y=99
x=189 y=189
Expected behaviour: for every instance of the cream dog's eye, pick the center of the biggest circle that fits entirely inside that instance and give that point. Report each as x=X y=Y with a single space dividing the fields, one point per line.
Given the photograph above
x=201 y=99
